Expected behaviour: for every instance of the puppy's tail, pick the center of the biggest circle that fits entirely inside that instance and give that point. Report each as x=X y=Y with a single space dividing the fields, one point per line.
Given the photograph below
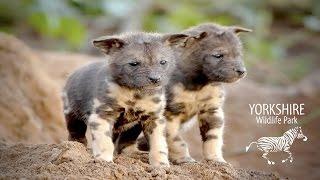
x=247 y=147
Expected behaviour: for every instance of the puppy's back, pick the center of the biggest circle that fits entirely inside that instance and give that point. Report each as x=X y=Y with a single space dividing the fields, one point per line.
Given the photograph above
x=82 y=84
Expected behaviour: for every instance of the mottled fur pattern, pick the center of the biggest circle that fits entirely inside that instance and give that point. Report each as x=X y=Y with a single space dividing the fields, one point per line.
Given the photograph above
x=120 y=97
x=212 y=55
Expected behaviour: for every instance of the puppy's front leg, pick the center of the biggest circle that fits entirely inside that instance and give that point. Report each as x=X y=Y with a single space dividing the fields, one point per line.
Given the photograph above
x=154 y=129
x=211 y=123
x=101 y=131
x=178 y=148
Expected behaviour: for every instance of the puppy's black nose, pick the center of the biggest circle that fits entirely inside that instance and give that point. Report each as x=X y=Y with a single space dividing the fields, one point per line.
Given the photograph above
x=154 y=80
x=241 y=71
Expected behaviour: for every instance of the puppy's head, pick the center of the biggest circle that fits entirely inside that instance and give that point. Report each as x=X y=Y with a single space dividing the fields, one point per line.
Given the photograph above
x=215 y=51
x=140 y=60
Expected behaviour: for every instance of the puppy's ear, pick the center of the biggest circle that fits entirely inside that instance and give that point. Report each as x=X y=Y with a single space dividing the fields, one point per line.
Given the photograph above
x=175 y=39
x=183 y=40
x=238 y=29
x=108 y=45
x=196 y=38
x=201 y=35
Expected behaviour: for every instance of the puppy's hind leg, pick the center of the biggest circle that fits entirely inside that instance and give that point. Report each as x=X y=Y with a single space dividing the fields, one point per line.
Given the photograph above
x=75 y=120
x=127 y=140
x=77 y=127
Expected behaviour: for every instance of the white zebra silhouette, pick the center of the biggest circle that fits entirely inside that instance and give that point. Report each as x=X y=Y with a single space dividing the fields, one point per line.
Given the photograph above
x=276 y=144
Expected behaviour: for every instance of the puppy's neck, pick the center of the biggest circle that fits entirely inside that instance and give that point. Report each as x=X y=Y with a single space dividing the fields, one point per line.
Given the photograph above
x=192 y=78
x=114 y=86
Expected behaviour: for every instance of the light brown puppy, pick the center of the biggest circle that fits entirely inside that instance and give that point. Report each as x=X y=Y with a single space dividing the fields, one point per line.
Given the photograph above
x=211 y=55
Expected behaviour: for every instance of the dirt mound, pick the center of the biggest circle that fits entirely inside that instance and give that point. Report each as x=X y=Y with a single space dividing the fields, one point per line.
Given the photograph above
x=72 y=160
x=30 y=107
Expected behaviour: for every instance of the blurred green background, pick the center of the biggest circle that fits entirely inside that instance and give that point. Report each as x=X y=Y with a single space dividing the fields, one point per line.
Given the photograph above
x=283 y=48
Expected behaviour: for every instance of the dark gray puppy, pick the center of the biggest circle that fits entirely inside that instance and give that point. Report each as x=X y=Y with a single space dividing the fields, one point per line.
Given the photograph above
x=123 y=92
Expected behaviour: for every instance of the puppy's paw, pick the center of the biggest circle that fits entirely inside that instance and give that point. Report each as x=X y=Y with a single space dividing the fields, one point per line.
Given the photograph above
x=216 y=159
x=132 y=150
x=157 y=161
x=183 y=160
x=160 y=164
x=104 y=157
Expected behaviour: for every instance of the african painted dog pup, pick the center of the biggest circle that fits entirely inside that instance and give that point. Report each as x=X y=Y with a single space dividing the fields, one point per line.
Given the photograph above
x=124 y=91
x=211 y=55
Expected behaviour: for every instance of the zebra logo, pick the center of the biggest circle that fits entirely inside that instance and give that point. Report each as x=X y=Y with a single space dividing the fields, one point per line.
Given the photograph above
x=277 y=144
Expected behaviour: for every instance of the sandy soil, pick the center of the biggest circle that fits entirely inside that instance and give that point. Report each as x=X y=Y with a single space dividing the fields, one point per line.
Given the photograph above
x=71 y=160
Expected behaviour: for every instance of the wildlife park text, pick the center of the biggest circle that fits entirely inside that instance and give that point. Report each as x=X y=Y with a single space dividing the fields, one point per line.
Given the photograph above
x=276 y=120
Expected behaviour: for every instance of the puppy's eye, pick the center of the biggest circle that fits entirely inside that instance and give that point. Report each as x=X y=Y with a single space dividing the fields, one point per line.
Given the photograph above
x=218 y=56
x=163 y=62
x=134 y=63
